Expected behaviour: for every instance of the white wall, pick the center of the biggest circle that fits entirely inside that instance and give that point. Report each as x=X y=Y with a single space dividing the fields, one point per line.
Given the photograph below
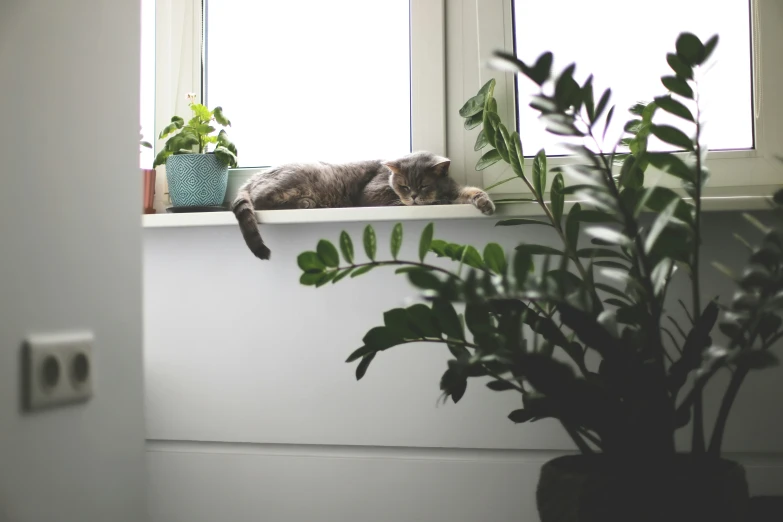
x=70 y=249
x=252 y=413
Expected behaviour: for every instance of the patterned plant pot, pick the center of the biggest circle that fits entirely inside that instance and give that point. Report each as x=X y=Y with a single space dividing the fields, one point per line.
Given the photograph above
x=196 y=180
x=588 y=488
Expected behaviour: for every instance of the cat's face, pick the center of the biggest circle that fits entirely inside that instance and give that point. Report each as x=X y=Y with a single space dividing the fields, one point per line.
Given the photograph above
x=420 y=178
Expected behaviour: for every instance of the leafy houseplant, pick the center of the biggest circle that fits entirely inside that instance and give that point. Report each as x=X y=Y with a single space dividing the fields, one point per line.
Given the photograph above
x=197 y=175
x=530 y=319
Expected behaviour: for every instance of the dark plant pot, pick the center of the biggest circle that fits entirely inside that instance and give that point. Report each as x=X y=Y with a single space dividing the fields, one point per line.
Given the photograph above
x=148 y=196
x=196 y=179
x=589 y=488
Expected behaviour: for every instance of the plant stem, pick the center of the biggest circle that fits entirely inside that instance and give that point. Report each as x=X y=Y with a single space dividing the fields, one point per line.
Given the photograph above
x=578 y=440
x=725 y=407
x=403 y=263
x=512 y=178
x=697 y=442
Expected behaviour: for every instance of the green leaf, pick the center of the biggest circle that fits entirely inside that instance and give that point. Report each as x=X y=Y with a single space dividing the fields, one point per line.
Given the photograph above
x=602 y=103
x=346 y=247
x=609 y=236
x=539 y=173
x=481 y=140
x=310 y=278
x=325 y=278
x=359 y=352
x=474 y=121
x=595 y=216
x=495 y=258
x=342 y=275
x=598 y=252
x=677 y=86
x=612 y=290
x=425 y=241
x=503 y=142
x=500 y=386
x=370 y=244
x=572 y=226
x=679 y=67
x=672 y=164
x=424 y=279
x=488 y=159
x=220 y=117
x=521 y=221
x=477 y=319
x=523 y=264
x=310 y=262
x=327 y=253
x=672 y=135
x=473 y=106
x=470 y=256
x=709 y=47
x=226 y=156
x=422 y=321
x=453 y=383
x=361 y=368
x=519 y=416
x=538 y=250
x=488 y=88
x=672 y=106
x=557 y=198
x=447 y=318
x=396 y=320
x=491 y=122
x=396 y=240
x=362 y=270
x=160 y=159
x=381 y=338
x=690 y=49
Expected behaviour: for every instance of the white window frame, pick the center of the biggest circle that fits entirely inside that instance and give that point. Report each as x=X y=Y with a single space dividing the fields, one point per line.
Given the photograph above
x=743 y=175
x=180 y=54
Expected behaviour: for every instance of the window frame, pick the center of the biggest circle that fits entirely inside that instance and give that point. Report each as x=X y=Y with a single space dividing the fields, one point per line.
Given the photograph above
x=450 y=47
x=180 y=68
x=739 y=174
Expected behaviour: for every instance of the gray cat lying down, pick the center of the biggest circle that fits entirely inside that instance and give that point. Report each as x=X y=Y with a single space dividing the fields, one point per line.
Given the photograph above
x=420 y=178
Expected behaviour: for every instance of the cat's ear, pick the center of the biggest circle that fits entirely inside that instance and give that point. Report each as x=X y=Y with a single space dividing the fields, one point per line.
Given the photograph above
x=441 y=166
x=393 y=166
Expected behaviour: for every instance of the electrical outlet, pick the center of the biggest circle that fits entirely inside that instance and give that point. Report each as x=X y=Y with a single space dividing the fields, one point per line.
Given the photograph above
x=57 y=369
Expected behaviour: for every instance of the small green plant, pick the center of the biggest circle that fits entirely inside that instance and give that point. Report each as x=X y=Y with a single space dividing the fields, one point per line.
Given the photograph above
x=145 y=144
x=198 y=134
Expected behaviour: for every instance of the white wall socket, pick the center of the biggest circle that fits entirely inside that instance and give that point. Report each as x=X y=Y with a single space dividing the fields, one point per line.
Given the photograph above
x=57 y=369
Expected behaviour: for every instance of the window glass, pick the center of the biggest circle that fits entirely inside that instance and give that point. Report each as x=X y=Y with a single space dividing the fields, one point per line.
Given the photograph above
x=311 y=80
x=624 y=45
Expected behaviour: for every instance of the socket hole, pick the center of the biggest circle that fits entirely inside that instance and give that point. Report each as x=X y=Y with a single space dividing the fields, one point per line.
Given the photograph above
x=50 y=372
x=80 y=368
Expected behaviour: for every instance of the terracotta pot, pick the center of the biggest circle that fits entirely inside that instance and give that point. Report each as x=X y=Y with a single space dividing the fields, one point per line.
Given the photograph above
x=149 y=191
x=588 y=488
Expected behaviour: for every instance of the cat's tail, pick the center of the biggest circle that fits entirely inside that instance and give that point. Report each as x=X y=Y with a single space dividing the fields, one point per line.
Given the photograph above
x=246 y=216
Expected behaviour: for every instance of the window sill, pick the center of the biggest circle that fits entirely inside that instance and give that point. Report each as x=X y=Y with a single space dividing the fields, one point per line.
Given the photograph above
x=716 y=199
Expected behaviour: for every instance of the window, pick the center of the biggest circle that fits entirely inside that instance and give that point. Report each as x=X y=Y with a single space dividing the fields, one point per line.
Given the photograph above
x=334 y=80
x=317 y=80
x=630 y=57
x=742 y=115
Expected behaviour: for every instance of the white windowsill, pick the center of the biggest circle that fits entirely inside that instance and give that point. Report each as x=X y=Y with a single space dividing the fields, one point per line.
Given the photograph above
x=718 y=199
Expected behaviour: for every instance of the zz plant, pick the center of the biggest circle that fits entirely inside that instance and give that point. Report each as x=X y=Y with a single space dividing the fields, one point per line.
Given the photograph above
x=198 y=134
x=526 y=322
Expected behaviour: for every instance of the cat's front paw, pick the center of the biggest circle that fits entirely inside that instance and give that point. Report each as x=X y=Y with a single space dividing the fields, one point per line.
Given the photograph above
x=484 y=204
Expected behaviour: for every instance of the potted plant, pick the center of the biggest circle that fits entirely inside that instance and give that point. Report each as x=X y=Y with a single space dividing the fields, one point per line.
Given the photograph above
x=197 y=159
x=531 y=319
x=148 y=194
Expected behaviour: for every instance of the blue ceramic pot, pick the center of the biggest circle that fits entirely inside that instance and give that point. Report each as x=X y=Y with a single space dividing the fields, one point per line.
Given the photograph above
x=196 y=179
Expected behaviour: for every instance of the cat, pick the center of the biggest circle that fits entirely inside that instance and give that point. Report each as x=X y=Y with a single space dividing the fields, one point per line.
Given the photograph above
x=419 y=178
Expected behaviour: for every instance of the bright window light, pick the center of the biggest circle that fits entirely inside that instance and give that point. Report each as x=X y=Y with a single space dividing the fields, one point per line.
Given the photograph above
x=624 y=45
x=147 y=100
x=311 y=80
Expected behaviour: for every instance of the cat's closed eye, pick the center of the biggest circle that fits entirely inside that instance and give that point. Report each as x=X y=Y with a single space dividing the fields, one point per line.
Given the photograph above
x=405 y=187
